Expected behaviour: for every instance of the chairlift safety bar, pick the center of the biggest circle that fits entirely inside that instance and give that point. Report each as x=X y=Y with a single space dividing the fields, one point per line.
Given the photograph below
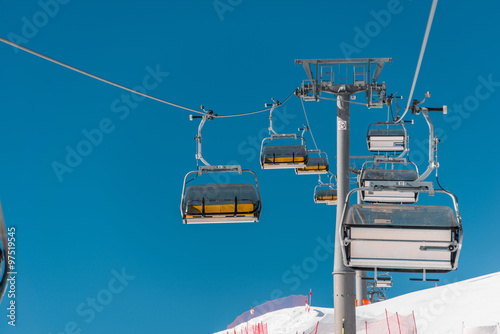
x=219 y=169
x=403 y=186
x=284 y=136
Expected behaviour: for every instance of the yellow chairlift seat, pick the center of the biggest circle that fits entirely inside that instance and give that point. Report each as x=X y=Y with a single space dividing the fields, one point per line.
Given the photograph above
x=315 y=165
x=370 y=175
x=283 y=156
x=220 y=209
x=401 y=238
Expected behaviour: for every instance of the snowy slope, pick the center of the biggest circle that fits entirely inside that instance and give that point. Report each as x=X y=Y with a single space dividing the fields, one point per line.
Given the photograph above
x=474 y=302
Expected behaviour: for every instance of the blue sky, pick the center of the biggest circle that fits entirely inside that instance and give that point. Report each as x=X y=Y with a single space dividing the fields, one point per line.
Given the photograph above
x=110 y=229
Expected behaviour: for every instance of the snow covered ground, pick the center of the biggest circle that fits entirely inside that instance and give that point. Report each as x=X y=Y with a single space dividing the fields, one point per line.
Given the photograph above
x=440 y=310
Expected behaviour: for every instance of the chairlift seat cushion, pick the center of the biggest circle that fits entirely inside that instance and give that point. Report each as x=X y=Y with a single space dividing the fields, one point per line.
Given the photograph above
x=326 y=195
x=220 y=209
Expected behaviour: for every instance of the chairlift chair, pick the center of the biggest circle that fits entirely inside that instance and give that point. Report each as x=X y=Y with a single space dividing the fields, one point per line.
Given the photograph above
x=399 y=177
x=283 y=156
x=383 y=281
x=325 y=193
x=315 y=165
x=387 y=137
x=395 y=237
x=219 y=202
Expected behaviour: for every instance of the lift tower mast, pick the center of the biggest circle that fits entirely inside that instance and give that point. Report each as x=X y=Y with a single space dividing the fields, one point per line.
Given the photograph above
x=343 y=78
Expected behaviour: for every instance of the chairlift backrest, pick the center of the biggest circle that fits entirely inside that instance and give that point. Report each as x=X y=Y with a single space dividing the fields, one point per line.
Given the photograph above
x=373 y=176
x=383 y=283
x=387 y=137
x=401 y=238
x=325 y=194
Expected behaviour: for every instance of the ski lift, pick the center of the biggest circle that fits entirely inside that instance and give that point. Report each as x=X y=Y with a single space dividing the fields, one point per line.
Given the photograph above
x=395 y=237
x=373 y=178
x=387 y=137
x=219 y=202
x=325 y=193
x=280 y=156
x=315 y=165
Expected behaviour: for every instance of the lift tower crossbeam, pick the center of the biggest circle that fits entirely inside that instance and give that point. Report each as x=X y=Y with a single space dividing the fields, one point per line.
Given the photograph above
x=343 y=77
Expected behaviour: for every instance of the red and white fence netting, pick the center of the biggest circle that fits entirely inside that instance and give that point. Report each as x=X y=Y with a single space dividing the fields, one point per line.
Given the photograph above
x=254 y=329
x=392 y=324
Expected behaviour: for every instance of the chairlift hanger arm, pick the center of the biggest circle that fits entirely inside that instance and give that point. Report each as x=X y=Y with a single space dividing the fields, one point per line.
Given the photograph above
x=272 y=106
x=433 y=164
x=207 y=116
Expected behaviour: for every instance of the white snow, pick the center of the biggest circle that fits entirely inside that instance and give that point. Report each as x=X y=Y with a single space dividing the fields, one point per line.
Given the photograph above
x=444 y=309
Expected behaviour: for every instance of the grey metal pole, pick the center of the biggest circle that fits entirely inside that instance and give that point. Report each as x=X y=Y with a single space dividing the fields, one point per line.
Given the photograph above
x=343 y=278
x=361 y=286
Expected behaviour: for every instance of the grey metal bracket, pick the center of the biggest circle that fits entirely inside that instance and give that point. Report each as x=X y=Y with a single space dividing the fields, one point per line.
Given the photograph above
x=403 y=186
x=320 y=81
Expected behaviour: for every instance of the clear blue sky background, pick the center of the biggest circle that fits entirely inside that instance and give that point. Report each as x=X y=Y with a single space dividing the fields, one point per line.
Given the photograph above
x=118 y=210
